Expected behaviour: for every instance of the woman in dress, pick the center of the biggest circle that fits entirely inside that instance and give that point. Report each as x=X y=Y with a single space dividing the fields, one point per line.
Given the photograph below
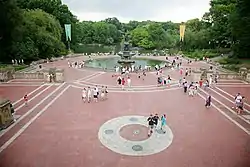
x=163 y=123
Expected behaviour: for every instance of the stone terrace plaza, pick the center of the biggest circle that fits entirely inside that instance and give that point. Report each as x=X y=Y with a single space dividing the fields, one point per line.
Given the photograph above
x=57 y=129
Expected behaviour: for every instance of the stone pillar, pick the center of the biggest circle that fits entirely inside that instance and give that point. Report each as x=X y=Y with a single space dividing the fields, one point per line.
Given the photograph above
x=243 y=73
x=248 y=76
x=59 y=75
x=46 y=76
x=196 y=75
x=6 y=117
x=203 y=73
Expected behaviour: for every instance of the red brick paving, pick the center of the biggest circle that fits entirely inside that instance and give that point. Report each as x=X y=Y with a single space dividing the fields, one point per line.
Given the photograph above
x=66 y=135
x=107 y=79
x=245 y=91
x=26 y=80
x=33 y=102
x=23 y=111
x=14 y=93
x=74 y=74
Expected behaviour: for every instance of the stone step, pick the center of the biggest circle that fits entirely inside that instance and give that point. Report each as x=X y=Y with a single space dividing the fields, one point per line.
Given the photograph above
x=116 y=86
x=131 y=88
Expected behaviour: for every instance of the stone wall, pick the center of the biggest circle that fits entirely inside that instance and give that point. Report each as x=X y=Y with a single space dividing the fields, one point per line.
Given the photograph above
x=28 y=75
x=58 y=75
x=229 y=76
x=43 y=75
x=6 y=117
x=248 y=77
x=3 y=77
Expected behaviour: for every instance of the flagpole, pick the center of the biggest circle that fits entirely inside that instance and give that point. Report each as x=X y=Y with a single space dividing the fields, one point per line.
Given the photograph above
x=69 y=45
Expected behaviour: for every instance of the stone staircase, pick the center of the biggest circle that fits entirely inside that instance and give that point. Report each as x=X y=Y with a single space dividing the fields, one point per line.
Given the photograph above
x=114 y=88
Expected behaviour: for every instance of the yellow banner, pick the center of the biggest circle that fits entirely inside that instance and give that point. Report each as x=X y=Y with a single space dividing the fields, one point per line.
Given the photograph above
x=182 y=32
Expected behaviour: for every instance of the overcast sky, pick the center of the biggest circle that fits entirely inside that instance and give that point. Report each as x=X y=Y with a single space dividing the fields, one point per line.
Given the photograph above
x=125 y=10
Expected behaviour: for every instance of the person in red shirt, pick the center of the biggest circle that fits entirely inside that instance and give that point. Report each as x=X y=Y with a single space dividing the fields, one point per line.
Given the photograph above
x=181 y=71
x=25 y=98
x=123 y=83
x=200 y=83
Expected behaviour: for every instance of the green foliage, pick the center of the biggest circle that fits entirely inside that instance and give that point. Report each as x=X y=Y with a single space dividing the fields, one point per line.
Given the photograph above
x=97 y=33
x=42 y=36
x=92 y=48
x=34 y=29
x=11 y=18
x=7 y=67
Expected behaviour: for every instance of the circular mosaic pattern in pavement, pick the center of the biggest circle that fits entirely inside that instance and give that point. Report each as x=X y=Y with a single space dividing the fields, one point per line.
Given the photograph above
x=134 y=132
x=110 y=135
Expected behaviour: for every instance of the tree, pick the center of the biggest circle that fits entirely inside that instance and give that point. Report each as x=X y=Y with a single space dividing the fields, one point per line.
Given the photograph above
x=220 y=13
x=10 y=16
x=41 y=36
x=240 y=29
x=140 y=37
x=55 y=8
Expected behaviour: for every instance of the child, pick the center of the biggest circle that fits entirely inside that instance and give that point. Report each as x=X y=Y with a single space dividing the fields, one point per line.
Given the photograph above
x=25 y=98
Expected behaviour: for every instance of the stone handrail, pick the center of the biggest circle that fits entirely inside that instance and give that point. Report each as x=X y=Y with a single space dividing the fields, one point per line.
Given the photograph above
x=28 y=75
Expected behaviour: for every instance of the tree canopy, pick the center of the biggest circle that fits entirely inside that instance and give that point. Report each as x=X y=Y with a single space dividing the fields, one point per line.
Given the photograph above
x=34 y=29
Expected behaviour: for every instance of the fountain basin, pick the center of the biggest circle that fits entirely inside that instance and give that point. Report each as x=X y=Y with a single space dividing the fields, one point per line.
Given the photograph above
x=110 y=63
x=126 y=61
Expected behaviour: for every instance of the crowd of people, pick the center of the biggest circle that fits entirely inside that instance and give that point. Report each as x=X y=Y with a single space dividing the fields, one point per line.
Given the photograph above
x=94 y=94
x=239 y=103
x=153 y=123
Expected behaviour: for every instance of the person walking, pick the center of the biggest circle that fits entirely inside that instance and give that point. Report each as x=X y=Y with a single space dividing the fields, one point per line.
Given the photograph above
x=163 y=123
x=150 y=125
x=208 y=101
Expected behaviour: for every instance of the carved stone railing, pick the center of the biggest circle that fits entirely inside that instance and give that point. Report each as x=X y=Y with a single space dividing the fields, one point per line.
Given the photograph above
x=28 y=75
x=229 y=76
x=57 y=75
x=6 y=117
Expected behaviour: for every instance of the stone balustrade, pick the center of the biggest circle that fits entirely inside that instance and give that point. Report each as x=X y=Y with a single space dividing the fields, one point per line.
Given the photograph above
x=28 y=75
x=3 y=77
x=6 y=118
x=42 y=75
x=58 y=75
x=229 y=76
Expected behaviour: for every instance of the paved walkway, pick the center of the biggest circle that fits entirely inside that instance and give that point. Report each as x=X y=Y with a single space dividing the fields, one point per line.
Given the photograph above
x=58 y=129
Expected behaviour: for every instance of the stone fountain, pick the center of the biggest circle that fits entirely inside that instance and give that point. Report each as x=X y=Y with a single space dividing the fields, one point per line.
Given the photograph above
x=126 y=55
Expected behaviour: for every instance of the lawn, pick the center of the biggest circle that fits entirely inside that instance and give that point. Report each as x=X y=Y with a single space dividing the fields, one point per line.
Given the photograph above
x=4 y=67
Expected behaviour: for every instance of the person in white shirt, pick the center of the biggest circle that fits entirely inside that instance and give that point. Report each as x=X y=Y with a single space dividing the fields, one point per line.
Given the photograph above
x=133 y=68
x=89 y=94
x=210 y=81
x=123 y=70
x=129 y=82
x=238 y=99
x=117 y=69
x=84 y=94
